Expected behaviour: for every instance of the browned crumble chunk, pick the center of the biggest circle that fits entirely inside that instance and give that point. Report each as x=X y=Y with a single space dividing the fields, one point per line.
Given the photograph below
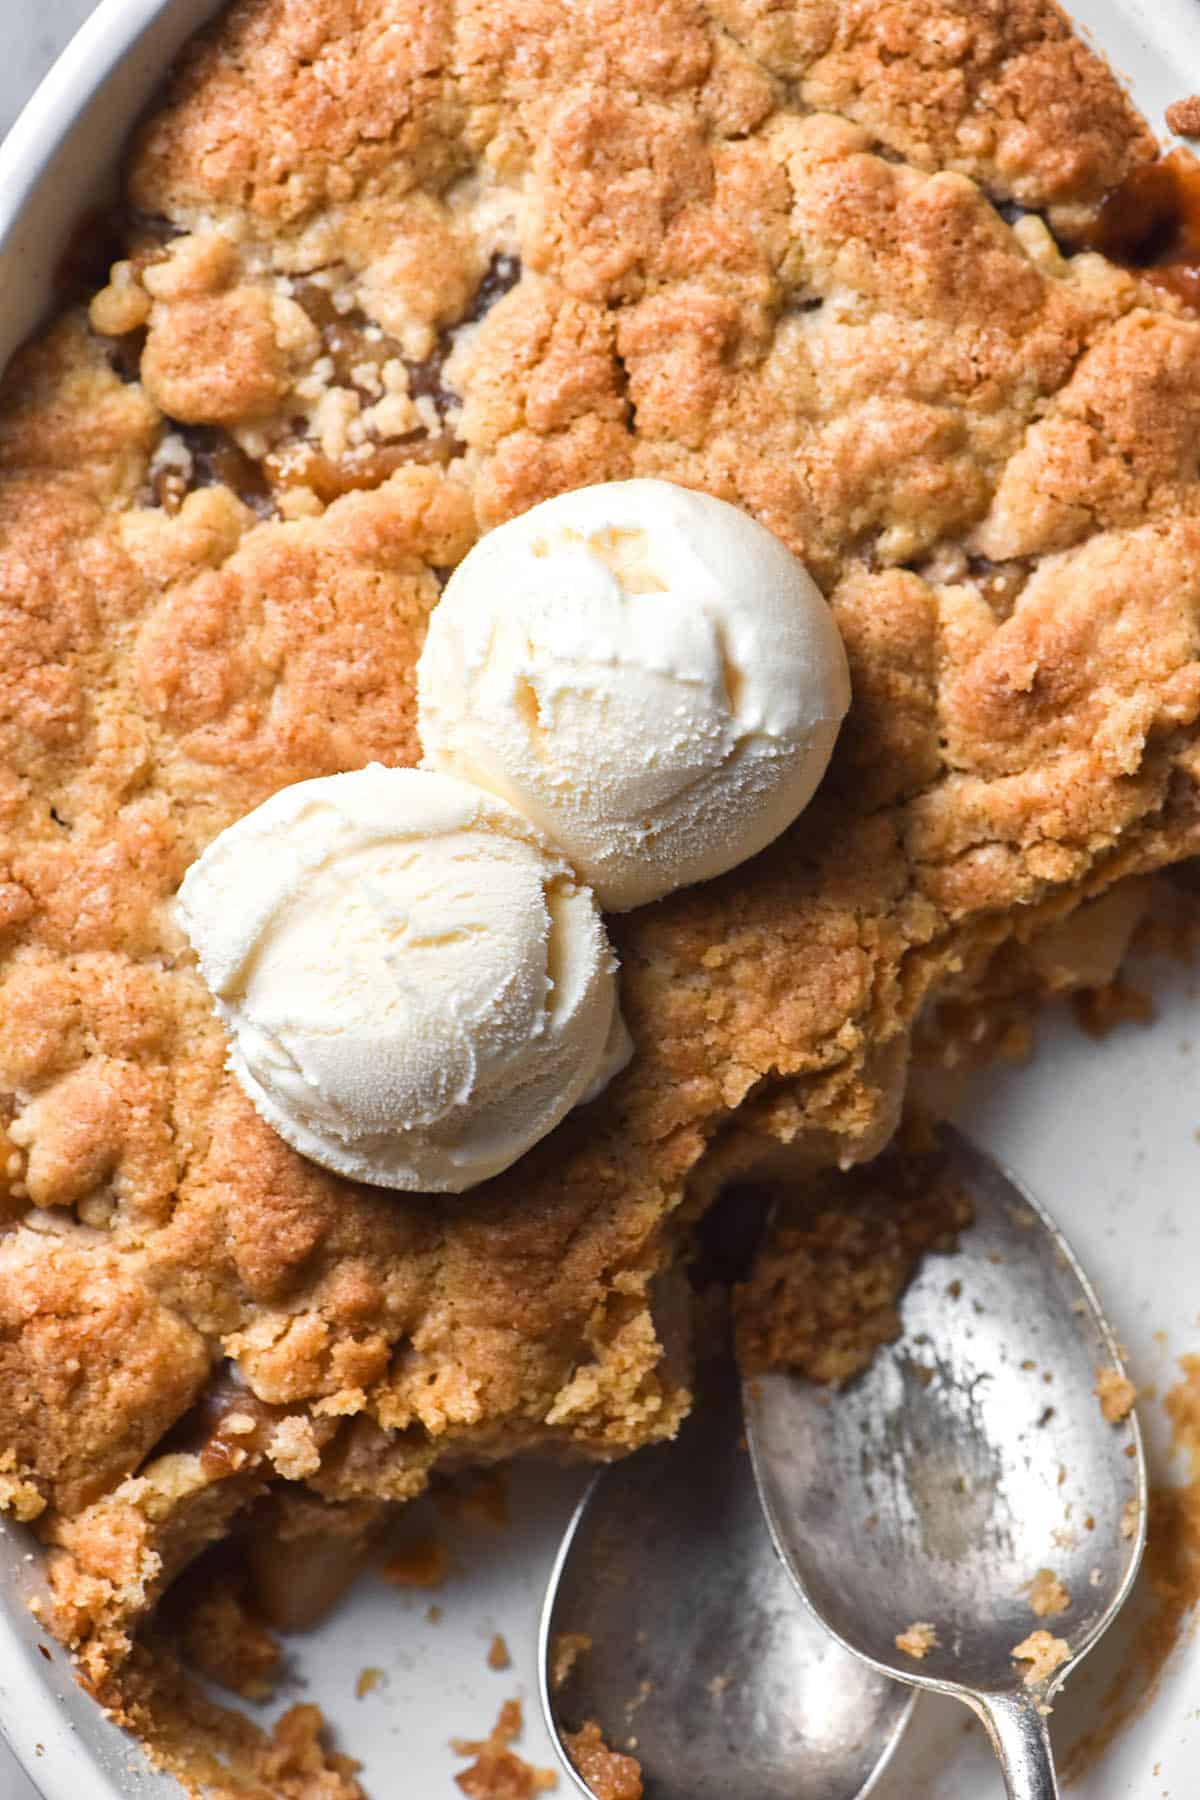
x=917 y=1640
x=608 y=1773
x=1116 y=1394
x=212 y=1750
x=1047 y=1595
x=1183 y=116
x=498 y=1773
x=824 y=1292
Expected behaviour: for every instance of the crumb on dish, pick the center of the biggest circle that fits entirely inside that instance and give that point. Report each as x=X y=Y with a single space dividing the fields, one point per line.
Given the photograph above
x=609 y=1774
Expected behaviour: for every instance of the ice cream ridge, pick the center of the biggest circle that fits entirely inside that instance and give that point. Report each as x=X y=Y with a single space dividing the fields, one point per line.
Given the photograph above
x=627 y=689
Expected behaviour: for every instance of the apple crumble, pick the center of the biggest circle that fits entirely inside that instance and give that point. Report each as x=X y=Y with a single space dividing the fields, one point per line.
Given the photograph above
x=389 y=272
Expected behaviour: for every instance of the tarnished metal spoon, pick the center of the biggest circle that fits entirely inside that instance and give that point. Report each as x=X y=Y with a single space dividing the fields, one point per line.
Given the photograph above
x=972 y=1455
x=702 y=1661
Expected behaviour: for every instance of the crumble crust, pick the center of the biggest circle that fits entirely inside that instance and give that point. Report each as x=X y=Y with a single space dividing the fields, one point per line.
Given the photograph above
x=824 y=1290
x=395 y=270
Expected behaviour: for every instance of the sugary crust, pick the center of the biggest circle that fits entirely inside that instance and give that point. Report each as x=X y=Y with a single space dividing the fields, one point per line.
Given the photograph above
x=459 y=257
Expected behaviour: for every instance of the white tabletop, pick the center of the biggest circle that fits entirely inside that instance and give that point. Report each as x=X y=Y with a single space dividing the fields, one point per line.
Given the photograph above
x=34 y=32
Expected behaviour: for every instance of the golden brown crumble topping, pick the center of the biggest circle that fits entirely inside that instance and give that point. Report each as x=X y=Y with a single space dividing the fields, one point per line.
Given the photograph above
x=392 y=271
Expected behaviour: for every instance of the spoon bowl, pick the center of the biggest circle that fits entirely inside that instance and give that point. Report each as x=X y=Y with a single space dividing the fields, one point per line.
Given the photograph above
x=702 y=1663
x=967 y=1482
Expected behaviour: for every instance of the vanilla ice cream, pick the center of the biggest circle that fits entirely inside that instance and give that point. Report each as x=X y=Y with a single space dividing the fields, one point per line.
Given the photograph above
x=417 y=987
x=644 y=671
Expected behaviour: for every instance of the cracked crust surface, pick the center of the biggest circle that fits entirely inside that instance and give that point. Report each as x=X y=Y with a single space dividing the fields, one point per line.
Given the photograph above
x=395 y=271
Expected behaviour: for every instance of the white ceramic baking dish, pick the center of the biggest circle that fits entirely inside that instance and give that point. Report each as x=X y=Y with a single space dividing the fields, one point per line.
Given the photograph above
x=1105 y=1134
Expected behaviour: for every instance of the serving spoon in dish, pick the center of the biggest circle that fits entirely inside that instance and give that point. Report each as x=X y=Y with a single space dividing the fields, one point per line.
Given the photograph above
x=968 y=1514
x=671 y=1623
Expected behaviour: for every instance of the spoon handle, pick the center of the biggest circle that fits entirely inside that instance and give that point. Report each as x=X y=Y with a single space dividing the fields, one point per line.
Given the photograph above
x=1022 y=1743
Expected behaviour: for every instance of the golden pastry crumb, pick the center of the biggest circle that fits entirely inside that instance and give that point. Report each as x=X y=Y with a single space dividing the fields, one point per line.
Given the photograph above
x=497 y=1772
x=917 y=1640
x=1043 y=1653
x=1131 y=1514
x=1183 y=116
x=565 y=1651
x=18 y=1495
x=609 y=1774
x=1116 y=1394
x=498 y=1656
x=1047 y=1595
x=368 y=1680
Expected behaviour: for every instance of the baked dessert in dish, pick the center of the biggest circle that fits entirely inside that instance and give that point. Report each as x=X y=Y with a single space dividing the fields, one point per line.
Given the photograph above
x=391 y=272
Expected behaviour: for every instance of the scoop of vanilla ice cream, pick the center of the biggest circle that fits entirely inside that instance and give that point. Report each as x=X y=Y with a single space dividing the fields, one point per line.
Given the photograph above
x=417 y=987
x=646 y=672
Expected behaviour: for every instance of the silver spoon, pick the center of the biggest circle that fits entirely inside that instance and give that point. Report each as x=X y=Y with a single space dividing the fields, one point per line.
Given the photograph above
x=702 y=1662
x=971 y=1455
